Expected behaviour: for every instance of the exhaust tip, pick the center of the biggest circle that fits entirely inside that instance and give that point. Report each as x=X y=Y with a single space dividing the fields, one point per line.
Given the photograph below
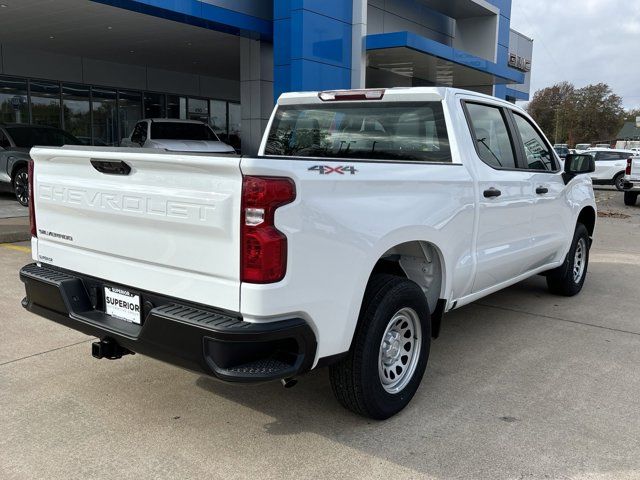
x=289 y=382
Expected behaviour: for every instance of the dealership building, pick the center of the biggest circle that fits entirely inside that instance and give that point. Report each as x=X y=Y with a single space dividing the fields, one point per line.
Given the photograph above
x=95 y=67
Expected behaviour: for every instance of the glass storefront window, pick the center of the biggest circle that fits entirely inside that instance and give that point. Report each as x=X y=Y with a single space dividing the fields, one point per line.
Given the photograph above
x=130 y=111
x=105 y=122
x=14 y=106
x=154 y=105
x=176 y=107
x=45 y=104
x=103 y=116
x=235 y=124
x=198 y=109
x=76 y=113
x=218 y=118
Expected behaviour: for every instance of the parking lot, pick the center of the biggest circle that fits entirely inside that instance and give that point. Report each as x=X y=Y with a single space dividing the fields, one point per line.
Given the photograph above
x=521 y=385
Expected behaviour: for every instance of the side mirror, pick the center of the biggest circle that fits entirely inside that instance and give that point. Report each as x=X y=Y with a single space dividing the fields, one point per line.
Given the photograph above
x=578 y=164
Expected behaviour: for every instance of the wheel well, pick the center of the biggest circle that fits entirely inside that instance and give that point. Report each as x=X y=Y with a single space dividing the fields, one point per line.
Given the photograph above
x=587 y=217
x=17 y=166
x=417 y=261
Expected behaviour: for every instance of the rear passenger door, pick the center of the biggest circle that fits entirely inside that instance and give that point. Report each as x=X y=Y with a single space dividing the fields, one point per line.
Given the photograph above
x=505 y=197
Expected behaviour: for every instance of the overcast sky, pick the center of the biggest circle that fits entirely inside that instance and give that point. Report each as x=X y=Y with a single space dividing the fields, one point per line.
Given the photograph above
x=583 y=42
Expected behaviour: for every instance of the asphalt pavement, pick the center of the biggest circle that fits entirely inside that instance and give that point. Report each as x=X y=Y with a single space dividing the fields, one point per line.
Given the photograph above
x=520 y=385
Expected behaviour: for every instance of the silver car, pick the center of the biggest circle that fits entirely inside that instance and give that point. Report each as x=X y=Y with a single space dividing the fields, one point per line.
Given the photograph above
x=176 y=136
x=16 y=139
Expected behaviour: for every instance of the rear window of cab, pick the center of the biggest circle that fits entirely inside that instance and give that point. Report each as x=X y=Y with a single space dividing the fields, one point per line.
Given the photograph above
x=379 y=131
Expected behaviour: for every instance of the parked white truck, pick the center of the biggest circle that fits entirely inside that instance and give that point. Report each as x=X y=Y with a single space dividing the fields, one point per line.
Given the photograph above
x=632 y=181
x=365 y=216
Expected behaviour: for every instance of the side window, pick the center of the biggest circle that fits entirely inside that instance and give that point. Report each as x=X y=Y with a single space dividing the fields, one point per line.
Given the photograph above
x=4 y=141
x=139 y=134
x=607 y=156
x=537 y=152
x=491 y=136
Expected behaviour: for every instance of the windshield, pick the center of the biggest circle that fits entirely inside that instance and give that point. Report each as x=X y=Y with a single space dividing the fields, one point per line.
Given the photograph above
x=181 y=131
x=27 y=137
x=392 y=131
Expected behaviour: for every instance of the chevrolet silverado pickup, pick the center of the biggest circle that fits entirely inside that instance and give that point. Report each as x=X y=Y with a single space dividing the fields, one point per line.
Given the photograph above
x=364 y=217
x=632 y=180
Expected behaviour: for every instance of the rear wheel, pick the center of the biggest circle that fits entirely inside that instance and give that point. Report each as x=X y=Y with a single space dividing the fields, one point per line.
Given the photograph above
x=630 y=198
x=390 y=349
x=21 y=186
x=568 y=278
x=618 y=181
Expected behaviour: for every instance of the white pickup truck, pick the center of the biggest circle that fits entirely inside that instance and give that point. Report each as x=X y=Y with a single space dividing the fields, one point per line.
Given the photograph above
x=365 y=216
x=632 y=181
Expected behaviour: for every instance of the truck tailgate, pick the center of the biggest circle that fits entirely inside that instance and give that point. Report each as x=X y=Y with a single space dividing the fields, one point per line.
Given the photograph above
x=635 y=169
x=170 y=225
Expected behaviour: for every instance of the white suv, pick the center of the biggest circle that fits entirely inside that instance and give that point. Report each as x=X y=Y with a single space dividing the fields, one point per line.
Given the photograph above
x=610 y=166
x=176 y=136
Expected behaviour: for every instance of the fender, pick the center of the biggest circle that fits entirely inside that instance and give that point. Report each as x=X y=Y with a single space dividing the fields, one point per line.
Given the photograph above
x=16 y=161
x=453 y=276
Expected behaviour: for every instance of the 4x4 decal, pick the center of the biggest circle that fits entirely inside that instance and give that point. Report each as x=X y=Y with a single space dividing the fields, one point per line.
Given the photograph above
x=326 y=170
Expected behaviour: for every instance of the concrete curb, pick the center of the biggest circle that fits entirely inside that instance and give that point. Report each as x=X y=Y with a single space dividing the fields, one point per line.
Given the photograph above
x=13 y=237
x=14 y=230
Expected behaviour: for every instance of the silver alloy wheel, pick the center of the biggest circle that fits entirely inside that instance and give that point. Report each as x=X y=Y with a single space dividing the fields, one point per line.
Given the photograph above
x=400 y=350
x=21 y=187
x=619 y=183
x=579 y=260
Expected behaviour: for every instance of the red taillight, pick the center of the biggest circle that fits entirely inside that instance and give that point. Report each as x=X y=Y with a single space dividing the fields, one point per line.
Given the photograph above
x=628 y=169
x=263 y=257
x=32 y=209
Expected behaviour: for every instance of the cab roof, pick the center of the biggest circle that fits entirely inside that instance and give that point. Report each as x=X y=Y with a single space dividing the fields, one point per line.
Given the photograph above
x=395 y=94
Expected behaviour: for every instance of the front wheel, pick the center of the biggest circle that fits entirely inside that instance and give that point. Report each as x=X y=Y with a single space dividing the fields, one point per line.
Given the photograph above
x=390 y=349
x=618 y=182
x=21 y=186
x=568 y=278
x=630 y=198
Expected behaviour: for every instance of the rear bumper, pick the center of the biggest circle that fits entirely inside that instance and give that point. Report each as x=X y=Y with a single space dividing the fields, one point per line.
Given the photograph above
x=195 y=337
x=631 y=186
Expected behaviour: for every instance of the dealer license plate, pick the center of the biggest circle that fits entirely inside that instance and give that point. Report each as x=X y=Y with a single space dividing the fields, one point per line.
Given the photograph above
x=122 y=304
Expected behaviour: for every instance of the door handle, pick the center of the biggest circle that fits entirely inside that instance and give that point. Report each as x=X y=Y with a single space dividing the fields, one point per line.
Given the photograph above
x=542 y=190
x=492 y=192
x=111 y=167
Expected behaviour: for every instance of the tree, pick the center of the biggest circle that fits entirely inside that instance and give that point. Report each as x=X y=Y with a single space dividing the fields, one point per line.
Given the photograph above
x=586 y=115
x=631 y=115
x=553 y=107
x=601 y=114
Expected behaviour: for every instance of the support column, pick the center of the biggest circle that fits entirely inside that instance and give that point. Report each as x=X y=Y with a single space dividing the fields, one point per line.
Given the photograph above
x=502 y=53
x=358 y=50
x=256 y=91
x=313 y=44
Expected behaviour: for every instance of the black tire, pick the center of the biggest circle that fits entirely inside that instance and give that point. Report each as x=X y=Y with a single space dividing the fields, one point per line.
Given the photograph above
x=563 y=280
x=618 y=182
x=630 y=198
x=21 y=186
x=356 y=379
